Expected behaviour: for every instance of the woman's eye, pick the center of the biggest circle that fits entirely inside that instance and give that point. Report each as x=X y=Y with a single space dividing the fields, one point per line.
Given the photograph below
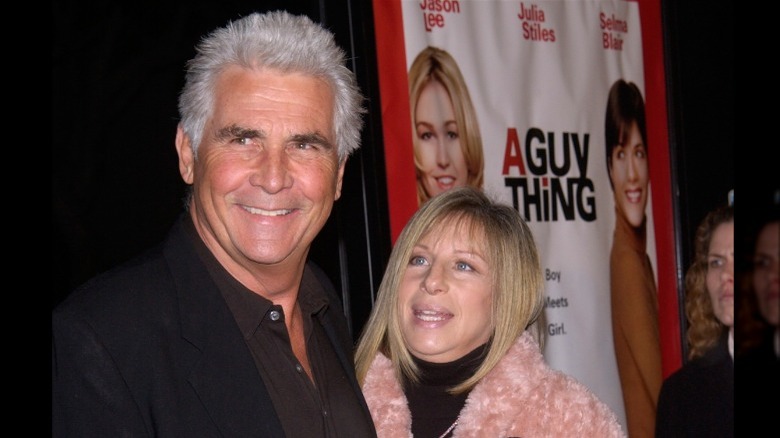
x=463 y=266
x=417 y=261
x=761 y=262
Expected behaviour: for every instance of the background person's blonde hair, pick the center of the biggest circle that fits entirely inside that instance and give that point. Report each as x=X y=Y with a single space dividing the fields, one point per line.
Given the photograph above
x=704 y=328
x=509 y=247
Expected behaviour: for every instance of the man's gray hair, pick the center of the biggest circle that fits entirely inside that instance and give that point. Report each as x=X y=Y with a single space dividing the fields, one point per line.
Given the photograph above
x=281 y=41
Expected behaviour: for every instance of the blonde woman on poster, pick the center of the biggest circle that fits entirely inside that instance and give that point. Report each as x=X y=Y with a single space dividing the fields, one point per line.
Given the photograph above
x=632 y=282
x=447 y=143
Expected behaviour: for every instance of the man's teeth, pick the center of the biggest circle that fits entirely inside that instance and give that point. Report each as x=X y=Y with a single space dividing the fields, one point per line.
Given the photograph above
x=262 y=212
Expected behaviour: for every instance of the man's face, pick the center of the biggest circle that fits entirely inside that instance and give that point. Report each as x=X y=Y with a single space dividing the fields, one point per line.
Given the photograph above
x=267 y=172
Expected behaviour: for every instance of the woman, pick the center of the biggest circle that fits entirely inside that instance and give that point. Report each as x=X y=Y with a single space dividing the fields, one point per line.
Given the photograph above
x=698 y=399
x=447 y=143
x=764 y=297
x=452 y=348
x=758 y=334
x=633 y=293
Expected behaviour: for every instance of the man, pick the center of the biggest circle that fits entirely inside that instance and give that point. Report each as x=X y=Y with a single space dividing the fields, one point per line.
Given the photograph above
x=225 y=329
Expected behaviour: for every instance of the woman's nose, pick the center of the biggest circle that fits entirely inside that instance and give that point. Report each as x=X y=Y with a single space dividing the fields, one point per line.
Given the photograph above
x=435 y=281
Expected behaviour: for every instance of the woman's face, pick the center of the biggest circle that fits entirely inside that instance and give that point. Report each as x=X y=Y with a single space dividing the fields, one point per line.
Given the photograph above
x=720 y=273
x=439 y=152
x=445 y=297
x=629 y=175
x=766 y=270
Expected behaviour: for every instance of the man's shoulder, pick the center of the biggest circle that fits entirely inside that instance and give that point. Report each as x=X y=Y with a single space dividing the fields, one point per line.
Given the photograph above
x=147 y=272
x=118 y=287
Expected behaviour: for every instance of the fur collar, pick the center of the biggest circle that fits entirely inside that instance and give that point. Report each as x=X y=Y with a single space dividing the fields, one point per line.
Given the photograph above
x=521 y=396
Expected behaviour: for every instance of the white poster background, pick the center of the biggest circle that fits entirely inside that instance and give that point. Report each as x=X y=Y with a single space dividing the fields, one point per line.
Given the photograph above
x=561 y=86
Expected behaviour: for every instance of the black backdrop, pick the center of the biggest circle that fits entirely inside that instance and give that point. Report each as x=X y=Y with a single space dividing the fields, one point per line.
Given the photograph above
x=118 y=67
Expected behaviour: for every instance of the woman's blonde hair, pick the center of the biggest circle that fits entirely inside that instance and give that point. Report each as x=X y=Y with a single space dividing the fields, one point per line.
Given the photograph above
x=704 y=328
x=433 y=64
x=508 y=244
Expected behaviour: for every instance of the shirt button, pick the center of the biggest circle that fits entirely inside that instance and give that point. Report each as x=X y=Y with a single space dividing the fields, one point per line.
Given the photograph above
x=275 y=315
x=298 y=368
x=325 y=413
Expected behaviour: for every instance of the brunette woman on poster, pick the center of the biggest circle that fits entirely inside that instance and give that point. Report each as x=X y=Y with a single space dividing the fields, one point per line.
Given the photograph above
x=697 y=400
x=447 y=143
x=632 y=282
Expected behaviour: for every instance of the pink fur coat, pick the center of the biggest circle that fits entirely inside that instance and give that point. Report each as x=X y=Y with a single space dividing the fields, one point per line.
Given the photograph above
x=521 y=397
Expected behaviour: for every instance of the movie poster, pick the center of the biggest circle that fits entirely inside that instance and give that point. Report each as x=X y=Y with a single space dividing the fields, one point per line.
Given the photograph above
x=524 y=91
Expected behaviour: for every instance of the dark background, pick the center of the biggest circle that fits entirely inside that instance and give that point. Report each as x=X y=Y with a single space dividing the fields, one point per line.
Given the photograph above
x=118 y=67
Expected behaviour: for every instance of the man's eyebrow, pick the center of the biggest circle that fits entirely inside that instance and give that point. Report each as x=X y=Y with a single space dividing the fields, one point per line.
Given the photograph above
x=235 y=131
x=312 y=138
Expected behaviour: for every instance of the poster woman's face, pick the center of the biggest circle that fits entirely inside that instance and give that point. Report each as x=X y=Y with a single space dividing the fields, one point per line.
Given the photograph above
x=629 y=175
x=439 y=153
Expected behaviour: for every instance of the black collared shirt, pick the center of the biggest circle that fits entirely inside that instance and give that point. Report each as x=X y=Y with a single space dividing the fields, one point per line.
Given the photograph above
x=327 y=407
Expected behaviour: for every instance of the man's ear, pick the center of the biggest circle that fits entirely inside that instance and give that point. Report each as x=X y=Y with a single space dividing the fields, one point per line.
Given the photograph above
x=186 y=155
x=340 y=179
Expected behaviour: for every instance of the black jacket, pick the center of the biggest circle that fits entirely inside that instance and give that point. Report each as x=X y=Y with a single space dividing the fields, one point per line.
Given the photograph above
x=152 y=349
x=698 y=399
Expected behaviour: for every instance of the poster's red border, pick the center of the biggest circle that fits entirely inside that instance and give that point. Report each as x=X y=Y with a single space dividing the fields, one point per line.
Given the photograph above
x=396 y=115
x=660 y=176
x=396 y=125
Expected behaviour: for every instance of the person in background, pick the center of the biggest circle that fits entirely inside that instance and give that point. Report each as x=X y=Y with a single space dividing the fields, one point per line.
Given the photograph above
x=697 y=400
x=757 y=362
x=225 y=329
x=633 y=295
x=452 y=345
x=447 y=143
